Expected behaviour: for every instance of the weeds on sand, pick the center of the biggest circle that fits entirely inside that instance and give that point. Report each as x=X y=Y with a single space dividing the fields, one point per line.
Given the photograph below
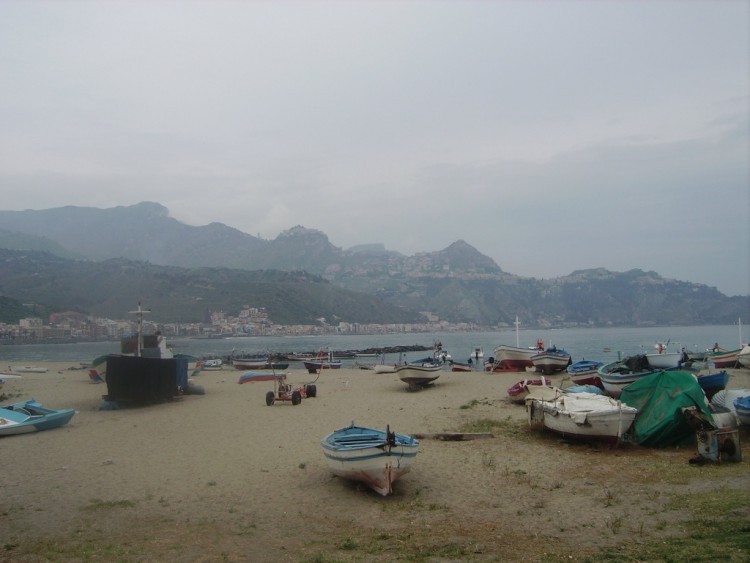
x=506 y=425
x=77 y=549
x=470 y=405
x=614 y=524
x=98 y=504
x=718 y=530
x=488 y=461
x=609 y=497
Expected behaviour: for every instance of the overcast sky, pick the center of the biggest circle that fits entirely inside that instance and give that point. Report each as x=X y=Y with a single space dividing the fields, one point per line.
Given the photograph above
x=551 y=136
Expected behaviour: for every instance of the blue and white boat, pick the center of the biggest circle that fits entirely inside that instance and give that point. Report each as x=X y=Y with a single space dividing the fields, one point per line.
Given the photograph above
x=618 y=375
x=712 y=383
x=376 y=458
x=31 y=416
x=584 y=372
x=551 y=360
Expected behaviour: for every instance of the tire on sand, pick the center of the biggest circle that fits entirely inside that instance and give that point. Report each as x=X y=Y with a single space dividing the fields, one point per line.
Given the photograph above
x=270 y=398
x=296 y=397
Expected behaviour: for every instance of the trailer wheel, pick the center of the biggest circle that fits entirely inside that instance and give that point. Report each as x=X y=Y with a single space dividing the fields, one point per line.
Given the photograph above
x=296 y=398
x=311 y=391
x=270 y=398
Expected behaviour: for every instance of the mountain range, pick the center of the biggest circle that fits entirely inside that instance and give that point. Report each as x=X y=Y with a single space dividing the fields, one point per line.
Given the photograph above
x=102 y=261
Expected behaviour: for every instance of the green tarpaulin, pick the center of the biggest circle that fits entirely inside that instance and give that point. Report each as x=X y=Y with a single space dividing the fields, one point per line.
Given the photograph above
x=660 y=399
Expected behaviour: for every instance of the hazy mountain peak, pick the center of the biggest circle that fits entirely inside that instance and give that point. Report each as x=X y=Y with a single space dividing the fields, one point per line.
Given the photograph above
x=300 y=231
x=461 y=256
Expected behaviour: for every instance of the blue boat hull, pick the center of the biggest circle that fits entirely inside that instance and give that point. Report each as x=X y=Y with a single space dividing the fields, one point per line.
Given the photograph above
x=30 y=416
x=712 y=383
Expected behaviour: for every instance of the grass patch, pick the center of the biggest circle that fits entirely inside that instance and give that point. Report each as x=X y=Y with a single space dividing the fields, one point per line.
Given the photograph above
x=506 y=425
x=470 y=405
x=718 y=530
x=98 y=504
x=79 y=549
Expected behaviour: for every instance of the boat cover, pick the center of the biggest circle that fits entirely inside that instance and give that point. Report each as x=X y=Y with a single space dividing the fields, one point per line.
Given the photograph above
x=660 y=398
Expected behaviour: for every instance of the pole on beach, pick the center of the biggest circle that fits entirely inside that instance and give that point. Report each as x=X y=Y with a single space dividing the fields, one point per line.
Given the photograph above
x=139 y=331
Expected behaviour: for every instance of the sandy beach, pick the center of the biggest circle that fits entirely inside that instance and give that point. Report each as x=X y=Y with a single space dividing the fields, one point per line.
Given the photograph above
x=223 y=477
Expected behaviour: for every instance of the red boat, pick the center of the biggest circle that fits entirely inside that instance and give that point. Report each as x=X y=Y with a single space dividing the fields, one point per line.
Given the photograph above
x=724 y=358
x=517 y=392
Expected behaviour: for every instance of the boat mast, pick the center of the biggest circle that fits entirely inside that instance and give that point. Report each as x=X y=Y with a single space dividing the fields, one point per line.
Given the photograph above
x=739 y=323
x=139 y=331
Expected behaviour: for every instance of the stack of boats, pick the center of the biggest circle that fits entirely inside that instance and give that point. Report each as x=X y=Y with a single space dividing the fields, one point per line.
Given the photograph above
x=593 y=407
x=615 y=376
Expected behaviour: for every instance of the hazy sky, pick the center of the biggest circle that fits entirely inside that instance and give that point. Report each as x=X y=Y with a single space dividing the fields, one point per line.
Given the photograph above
x=551 y=136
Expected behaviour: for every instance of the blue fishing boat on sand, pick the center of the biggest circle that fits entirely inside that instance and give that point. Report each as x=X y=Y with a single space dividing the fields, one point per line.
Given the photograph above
x=31 y=416
x=376 y=458
x=712 y=383
x=584 y=372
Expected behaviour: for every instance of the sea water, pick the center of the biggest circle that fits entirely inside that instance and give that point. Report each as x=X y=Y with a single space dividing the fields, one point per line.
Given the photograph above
x=601 y=344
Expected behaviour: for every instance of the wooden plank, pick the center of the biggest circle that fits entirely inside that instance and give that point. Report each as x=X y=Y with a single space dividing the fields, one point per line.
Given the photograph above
x=454 y=436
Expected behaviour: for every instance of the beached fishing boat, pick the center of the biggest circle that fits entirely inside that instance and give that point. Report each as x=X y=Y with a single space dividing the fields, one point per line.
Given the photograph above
x=584 y=372
x=321 y=362
x=249 y=362
x=513 y=358
x=551 y=360
x=725 y=398
x=583 y=416
x=376 y=458
x=518 y=391
x=459 y=366
x=31 y=416
x=712 y=383
x=28 y=369
x=418 y=375
x=616 y=376
x=723 y=358
x=661 y=359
